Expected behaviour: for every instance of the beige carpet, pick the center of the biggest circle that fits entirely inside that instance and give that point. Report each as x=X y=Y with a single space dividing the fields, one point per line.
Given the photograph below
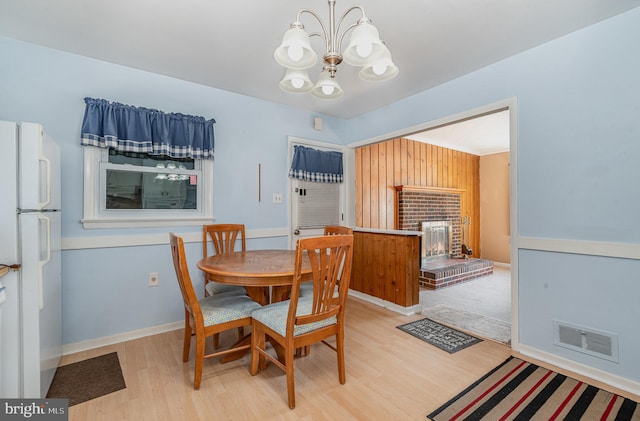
x=476 y=324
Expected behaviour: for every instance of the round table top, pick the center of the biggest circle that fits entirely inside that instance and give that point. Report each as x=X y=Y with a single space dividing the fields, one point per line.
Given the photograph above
x=253 y=267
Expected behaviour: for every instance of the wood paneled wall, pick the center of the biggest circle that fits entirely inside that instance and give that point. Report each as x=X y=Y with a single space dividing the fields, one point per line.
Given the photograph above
x=381 y=166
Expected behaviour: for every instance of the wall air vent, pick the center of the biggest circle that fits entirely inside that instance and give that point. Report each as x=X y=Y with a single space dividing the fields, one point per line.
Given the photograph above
x=586 y=340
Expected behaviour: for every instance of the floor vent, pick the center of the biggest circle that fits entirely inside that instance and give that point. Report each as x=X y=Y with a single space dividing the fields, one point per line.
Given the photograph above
x=586 y=340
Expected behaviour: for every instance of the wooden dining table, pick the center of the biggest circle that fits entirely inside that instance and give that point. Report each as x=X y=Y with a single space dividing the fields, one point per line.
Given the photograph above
x=267 y=276
x=257 y=271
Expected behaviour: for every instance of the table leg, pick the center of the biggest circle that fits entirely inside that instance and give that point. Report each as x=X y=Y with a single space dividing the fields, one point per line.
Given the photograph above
x=280 y=293
x=246 y=340
x=259 y=294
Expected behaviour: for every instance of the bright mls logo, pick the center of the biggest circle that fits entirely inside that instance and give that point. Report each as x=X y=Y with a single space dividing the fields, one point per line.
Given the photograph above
x=34 y=409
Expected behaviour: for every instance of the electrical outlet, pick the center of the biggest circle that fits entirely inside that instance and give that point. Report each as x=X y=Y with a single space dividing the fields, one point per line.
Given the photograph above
x=277 y=197
x=153 y=279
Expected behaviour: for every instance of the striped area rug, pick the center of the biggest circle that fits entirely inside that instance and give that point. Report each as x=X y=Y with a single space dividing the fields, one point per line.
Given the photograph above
x=518 y=390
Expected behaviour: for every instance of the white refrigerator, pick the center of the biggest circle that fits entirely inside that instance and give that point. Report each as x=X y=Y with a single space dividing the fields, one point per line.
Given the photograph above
x=30 y=219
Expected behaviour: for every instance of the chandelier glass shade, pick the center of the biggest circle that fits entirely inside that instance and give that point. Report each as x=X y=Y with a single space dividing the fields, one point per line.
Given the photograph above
x=295 y=52
x=296 y=81
x=364 y=46
x=364 y=50
x=327 y=87
x=380 y=68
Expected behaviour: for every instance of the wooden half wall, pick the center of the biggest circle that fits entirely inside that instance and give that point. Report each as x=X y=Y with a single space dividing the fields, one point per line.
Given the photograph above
x=382 y=166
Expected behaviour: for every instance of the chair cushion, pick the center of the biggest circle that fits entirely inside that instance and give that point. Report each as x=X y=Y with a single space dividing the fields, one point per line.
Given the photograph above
x=274 y=316
x=226 y=307
x=306 y=290
x=215 y=288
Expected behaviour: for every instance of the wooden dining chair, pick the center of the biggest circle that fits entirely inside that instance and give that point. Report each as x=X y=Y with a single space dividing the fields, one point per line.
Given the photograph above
x=337 y=230
x=208 y=316
x=302 y=321
x=224 y=238
x=306 y=288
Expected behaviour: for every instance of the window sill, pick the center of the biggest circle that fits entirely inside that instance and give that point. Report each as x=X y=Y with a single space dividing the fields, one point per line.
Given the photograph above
x=143 y=223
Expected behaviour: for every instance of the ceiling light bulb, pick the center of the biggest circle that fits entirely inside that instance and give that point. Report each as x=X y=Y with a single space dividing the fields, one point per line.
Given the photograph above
x=295 y=52
x=327 y=89
x=297 y=83
x=379 y=68
x=364 y=49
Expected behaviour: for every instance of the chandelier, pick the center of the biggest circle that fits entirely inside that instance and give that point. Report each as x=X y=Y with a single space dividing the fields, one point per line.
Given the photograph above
x=365 y=50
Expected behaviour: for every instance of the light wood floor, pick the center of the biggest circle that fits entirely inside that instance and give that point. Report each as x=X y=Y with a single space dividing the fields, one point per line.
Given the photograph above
x=390 y=376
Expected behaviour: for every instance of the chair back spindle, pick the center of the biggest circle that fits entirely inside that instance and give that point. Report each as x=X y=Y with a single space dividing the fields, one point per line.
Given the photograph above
x=224 y=238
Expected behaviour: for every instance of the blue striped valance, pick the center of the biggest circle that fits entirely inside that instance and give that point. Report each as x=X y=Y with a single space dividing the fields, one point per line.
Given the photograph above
x=314 y=165
x=134 y=129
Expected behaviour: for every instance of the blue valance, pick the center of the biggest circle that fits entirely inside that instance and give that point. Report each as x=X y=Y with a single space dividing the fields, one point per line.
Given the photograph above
x=314 y=165
x=135 y=129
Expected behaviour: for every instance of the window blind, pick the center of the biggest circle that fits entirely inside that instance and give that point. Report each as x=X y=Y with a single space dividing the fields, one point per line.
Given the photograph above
x=318 y=204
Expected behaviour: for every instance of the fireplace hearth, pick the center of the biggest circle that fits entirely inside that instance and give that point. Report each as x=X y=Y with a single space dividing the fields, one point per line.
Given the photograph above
x=442 y=264
x=442 y=273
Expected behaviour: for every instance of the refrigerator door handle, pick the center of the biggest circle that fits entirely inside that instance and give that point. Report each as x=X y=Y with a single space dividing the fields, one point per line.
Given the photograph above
x=47 y=164
x=44 y=262
x=14 y=267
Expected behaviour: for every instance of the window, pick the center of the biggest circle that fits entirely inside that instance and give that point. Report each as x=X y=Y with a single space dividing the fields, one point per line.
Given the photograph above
x=127 y=189
x=316 y=204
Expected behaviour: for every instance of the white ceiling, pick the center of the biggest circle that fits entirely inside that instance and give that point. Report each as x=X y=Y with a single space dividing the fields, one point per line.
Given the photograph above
x=483 y=135
x=229 y=45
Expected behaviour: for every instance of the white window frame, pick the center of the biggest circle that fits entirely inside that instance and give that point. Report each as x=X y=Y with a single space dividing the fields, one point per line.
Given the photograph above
x=95 y=214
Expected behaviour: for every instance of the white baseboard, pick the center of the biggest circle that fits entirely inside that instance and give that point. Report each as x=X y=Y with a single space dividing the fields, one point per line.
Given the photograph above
x=504 y=265
x=121 y=337
x=579 y=368
x=406 y=311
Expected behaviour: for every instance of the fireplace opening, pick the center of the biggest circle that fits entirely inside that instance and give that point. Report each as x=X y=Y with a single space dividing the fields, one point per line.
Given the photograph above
x=437 y=240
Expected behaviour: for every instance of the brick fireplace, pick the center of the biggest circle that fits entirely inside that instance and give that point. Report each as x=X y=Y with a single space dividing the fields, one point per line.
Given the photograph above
x=415 y=205
x=418 y=206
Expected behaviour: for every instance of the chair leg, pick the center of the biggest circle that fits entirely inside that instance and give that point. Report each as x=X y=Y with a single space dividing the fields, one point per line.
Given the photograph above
x=257 y=342
x=187 y=339
x=240 y=332
x=197 y=378
x=340 y=352
x=305 y=350
x=291 y=389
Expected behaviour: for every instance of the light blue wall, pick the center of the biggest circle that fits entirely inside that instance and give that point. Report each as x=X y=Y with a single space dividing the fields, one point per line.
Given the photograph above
x=578 y=138
x=597 y=293
x=105 y=289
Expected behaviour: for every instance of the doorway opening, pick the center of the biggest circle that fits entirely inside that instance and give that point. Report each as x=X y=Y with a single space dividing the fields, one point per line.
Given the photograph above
x=464 y=129
x=479 y=304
